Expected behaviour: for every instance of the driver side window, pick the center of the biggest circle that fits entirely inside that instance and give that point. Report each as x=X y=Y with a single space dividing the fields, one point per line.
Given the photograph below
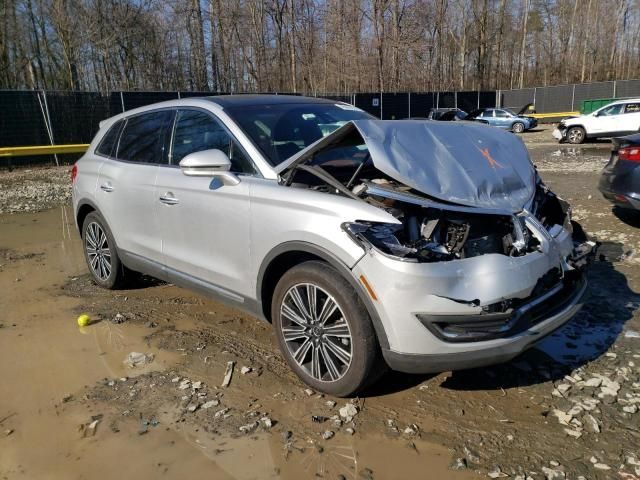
x=611 y=110
x=196 y=130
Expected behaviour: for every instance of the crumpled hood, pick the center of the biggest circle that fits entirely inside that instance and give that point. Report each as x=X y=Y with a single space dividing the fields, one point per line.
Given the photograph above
x=465 y=163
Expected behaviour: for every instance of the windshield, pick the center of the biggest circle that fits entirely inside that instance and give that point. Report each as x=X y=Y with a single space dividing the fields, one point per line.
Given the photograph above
x=282 y=130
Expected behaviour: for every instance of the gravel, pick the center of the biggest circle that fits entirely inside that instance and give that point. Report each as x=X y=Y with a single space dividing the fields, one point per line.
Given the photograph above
x=34 y=189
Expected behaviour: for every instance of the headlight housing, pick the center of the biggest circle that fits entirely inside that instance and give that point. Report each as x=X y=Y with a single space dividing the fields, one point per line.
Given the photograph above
x=382 y=236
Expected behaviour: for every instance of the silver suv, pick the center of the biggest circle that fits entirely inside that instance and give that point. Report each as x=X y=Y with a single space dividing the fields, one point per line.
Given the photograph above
x=424 y=246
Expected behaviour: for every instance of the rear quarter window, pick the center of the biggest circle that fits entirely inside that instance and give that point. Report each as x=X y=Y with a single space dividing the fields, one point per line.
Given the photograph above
x=108 y=144
x=632 y=107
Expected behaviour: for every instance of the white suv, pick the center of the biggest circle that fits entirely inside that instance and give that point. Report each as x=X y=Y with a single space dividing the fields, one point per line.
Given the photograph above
x=427 y=246
x=616 y=119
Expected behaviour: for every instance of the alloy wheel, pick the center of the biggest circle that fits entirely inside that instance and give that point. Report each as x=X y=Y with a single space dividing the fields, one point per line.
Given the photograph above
x=575 y=135
x=316 y=332
x=98 y=251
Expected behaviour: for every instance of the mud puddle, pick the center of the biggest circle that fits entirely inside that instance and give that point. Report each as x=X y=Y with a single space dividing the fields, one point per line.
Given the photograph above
x=71 y=408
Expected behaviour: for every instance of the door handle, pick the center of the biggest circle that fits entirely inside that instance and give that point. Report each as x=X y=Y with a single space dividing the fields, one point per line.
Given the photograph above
x=106 y=187
x=169 y=199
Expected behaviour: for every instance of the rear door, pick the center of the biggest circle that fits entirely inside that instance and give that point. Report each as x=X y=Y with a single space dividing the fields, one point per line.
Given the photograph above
x=488 y=116
x=631 y=117
x=204 y=224
x=126 y=186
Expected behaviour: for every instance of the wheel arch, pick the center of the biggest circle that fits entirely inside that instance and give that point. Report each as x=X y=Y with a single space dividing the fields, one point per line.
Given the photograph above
x=286 y=256
x=85 y=207
x=577 y=125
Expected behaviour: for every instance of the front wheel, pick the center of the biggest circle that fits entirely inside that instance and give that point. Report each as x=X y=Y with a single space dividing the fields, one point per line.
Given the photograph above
x=576 y=135
x=100 y=252
x=517 y=127
x=324 y=330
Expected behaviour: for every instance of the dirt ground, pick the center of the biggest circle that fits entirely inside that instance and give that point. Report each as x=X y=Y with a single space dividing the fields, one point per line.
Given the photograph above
x=70 y=407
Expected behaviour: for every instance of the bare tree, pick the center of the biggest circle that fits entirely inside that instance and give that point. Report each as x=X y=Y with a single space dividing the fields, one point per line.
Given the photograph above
x=315 y=46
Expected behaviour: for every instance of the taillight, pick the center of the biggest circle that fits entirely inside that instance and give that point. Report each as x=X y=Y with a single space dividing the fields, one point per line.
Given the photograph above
x=629 y=153
x=74 y=173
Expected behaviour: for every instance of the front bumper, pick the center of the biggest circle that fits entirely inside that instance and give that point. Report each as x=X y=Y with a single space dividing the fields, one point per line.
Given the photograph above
x=503 y=352
x=559 y=133
x=412 y=294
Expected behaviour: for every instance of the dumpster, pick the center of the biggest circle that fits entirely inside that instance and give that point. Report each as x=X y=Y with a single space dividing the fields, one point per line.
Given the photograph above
x=589 y=106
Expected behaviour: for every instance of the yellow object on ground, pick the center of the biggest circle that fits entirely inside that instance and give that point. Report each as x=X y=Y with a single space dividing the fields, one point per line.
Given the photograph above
x=43 y=150
x=84 y=320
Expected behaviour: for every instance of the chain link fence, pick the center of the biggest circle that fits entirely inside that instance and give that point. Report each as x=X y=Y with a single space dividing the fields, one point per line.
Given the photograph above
x=567 y=98
x=30 y=118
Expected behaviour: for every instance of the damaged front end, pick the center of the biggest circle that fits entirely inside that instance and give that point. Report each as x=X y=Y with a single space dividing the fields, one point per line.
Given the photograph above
x=436 y=234
x=495 y=251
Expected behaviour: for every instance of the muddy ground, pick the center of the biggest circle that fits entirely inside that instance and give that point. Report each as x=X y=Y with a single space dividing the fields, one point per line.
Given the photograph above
x=71 y=408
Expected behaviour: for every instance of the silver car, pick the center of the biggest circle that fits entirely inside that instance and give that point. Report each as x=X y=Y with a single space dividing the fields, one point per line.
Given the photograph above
x=422 y=246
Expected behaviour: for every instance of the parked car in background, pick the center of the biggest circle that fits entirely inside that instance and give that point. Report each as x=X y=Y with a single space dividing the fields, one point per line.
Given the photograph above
x=504 y=118
x=452 y=116
x=620 y=179
x=457 y=116
x=436 y=113
x=425 y=246
x=616 y=119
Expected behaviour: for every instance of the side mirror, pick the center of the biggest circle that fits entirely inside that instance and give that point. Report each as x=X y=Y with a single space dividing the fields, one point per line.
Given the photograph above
x=209 y=163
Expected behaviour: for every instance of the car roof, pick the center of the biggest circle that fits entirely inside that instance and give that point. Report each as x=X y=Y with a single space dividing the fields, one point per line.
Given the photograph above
x=221 y=101
x=258 y=99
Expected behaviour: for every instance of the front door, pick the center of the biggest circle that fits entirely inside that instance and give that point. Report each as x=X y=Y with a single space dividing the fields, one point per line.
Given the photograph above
x=608 y=119
x=502 y=119
x=204 y=224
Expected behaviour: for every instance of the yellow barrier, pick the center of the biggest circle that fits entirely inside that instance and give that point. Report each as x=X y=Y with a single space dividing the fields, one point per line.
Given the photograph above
x=43 y=150
x=553 y=115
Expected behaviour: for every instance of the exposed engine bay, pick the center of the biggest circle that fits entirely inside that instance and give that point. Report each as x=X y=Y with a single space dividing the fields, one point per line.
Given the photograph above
x=430 y=230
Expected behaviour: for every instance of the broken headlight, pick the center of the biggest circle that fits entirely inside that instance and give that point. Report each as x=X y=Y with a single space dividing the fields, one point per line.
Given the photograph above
x=382 y=236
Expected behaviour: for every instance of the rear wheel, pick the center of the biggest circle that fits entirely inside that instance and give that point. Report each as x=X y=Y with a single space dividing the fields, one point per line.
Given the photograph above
x=100 y=252
x=324 y=330
x=517 y=127
x=576 y=135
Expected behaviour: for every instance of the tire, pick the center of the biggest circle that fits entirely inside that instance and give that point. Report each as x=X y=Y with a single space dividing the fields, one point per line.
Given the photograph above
x=100 y=252
x=576 y=135
x=345 y=363
x=517 y=127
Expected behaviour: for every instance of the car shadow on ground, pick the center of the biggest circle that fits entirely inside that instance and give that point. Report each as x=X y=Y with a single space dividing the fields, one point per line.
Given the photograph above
x=610 y=304
x=137 y=281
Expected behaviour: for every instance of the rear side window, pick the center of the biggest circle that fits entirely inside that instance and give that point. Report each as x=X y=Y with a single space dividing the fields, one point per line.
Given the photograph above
x=197 y=131
x=110 y=140
x=632 y=108
x=145 y=137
